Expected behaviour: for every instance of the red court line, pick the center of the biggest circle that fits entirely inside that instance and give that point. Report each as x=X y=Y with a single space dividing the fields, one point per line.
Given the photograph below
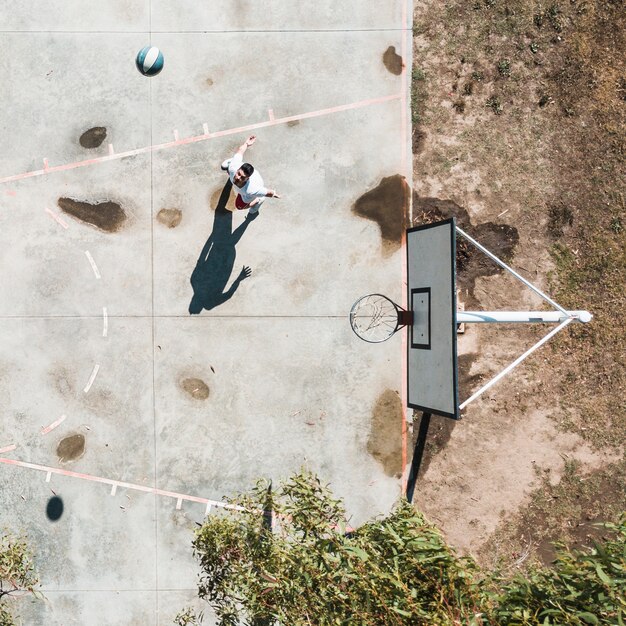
x=47 y=429
x=404 y=164
x=204 y=137
x=118 y=483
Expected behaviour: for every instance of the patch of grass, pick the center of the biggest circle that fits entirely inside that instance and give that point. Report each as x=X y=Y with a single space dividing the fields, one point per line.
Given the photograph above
x=559 y=217
x=418 y=95
x=495 y=105
x=570 y=54
x=566 y=511
x=504 y=68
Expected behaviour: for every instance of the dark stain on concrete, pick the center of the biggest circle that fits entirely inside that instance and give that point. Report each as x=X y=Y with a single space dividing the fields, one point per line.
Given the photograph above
x=208 y=82
x=393 y=61
x=107 y=216
x=293 y=123
x=196 y=388
x=385 y=438
x=471 y=264
x=63 y=382
x=93 y=137
x=387 y=205
x=170 y=217
x=71 y=448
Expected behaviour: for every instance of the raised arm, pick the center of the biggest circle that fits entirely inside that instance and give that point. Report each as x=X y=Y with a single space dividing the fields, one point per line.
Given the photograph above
x=245 y=145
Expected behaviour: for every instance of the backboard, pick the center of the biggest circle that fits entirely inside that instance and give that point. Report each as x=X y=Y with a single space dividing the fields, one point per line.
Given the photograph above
x=431 y=342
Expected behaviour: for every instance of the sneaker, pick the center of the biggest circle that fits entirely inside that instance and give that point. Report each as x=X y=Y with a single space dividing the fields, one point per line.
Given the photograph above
x=224 y=165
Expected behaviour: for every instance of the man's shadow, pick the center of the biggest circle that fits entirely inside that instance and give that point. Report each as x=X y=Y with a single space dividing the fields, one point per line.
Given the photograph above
x=217 y=260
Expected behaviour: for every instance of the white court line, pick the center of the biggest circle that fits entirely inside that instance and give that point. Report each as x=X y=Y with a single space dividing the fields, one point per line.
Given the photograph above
x=105 y=322
x=94 y=267
x=8 y=448
x=96 y=367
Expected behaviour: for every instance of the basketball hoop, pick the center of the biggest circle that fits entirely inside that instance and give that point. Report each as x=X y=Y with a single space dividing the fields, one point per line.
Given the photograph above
x=375 y=318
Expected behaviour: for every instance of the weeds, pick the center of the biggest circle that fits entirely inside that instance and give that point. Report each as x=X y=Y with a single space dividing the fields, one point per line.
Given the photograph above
x=495 y=105
x=504 y=68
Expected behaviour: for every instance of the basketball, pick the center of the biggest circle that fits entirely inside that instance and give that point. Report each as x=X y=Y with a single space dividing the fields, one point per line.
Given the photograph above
x=149 y=61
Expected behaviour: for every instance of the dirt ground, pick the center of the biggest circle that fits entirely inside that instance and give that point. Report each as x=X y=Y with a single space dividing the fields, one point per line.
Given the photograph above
x=518 y=118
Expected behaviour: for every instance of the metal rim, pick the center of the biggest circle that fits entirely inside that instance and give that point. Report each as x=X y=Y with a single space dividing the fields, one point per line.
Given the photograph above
x=387 y=323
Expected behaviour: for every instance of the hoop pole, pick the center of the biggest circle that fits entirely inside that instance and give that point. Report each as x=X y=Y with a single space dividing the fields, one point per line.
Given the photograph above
x=515 y=363
x=502 y=264
x=542 y=317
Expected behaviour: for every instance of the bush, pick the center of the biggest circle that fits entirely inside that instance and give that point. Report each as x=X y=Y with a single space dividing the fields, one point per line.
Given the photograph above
x=290 y=559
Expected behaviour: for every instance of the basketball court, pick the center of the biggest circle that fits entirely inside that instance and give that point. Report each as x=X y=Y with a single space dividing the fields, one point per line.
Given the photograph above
x=136 y=415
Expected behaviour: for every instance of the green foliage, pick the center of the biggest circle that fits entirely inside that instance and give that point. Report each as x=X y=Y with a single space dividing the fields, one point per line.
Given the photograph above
x=504 y=68
x=301 y=565
x=418 y=96
x=582 y=588
x=187 y=617
x=313 y=570
x=495 y=105
x=17 y=572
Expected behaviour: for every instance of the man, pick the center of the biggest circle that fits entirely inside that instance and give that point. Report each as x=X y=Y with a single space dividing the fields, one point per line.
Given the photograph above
x=247 y=181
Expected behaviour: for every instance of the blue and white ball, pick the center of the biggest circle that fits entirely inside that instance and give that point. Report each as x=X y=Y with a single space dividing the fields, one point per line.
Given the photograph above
x=149 y=61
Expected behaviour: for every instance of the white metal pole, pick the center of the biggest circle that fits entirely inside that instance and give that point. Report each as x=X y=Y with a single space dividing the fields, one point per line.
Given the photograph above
x=494 y=258
x=543 y=317
x=515 y=363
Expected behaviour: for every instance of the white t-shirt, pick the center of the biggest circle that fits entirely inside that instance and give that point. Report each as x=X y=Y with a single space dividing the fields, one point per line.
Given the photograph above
x=252 y=188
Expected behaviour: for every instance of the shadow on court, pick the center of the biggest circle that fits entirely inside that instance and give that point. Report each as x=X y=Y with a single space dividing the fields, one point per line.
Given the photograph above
x=418 y=455
x=54 y=509
x=217 y=259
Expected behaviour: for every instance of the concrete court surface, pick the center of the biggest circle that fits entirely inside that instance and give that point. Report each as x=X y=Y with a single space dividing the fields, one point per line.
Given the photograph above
x=97 y=347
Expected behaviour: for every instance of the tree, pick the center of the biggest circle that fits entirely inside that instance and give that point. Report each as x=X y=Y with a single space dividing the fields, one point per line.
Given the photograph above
x=304 y=566
x=17 y=573
x=289 y=559
x=583 y=587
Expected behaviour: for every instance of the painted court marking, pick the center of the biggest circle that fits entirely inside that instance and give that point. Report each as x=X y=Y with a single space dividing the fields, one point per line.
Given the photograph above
x=47 y=429
x=94 y=267
x=56 y=217
x=179 y=497
x=405 y=167
x=8 y=448
x=223 y=133
x=94 y=372
x=105 y=322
